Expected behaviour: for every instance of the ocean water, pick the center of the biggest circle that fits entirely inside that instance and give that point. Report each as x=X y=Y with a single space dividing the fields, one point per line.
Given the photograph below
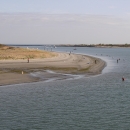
x=100 y=102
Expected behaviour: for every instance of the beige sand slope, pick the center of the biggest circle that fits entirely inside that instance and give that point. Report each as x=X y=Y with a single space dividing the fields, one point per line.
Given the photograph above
x=11 y=70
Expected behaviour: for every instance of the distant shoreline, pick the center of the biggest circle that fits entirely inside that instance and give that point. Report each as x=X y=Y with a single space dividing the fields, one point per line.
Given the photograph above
x=78 y=45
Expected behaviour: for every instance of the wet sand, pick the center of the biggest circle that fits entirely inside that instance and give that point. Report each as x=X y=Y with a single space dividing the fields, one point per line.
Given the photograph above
x=19 y=71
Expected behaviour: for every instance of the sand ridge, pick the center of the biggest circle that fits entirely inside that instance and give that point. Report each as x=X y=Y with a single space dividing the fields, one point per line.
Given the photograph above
x=11 y=70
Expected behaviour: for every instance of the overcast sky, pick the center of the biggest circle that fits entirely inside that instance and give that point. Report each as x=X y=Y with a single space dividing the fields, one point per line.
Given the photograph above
x=64 y=21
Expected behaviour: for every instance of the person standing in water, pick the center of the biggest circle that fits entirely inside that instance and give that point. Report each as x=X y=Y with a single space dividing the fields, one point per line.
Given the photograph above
x=123 y=79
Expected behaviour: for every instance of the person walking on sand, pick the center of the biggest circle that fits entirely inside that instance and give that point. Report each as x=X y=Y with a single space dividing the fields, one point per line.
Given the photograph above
x=28 y=60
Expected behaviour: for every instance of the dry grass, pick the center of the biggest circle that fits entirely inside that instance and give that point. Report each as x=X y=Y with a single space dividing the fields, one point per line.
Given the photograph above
x=7 y=52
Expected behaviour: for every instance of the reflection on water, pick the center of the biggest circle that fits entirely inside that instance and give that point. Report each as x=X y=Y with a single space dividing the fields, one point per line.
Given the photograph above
x=100 y=102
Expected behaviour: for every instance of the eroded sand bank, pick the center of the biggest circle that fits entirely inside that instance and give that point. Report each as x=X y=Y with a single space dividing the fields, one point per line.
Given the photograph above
x=18 y=71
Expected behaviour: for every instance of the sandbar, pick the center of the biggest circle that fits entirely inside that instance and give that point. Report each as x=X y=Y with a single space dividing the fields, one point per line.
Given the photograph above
x=20 y=71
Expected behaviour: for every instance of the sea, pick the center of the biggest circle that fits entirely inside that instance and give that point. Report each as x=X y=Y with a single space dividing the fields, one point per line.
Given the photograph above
x=100 y=102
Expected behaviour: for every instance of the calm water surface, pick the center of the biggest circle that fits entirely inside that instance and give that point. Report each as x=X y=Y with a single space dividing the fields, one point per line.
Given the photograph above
x=100 y=102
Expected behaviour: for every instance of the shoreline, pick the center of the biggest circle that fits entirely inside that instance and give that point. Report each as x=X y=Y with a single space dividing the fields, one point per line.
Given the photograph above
x=64 y=63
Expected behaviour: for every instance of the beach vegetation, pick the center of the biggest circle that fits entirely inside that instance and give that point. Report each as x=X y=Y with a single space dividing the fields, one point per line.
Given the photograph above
x=9 y=52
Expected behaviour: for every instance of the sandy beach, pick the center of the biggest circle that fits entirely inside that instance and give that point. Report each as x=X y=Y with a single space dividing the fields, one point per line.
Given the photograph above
x=20 y=71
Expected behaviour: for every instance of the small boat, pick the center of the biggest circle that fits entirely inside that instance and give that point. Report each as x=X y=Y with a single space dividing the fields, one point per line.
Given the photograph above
x=75 y=48
x=55 y=46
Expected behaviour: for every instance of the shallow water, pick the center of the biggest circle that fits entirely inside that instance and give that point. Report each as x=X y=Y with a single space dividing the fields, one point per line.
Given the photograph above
x=97 y=102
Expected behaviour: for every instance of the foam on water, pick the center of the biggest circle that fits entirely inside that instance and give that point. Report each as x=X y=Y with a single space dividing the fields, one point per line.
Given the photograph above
x=61 y=76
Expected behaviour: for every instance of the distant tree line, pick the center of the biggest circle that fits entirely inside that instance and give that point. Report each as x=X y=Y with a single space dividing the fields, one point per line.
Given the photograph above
x=95 y=45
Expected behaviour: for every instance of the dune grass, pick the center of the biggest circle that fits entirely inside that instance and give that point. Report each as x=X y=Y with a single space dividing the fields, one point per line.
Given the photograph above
x=14 y=53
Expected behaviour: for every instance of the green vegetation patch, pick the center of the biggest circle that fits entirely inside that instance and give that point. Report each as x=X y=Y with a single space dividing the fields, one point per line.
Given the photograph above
x=85 y=69
x=62 y=69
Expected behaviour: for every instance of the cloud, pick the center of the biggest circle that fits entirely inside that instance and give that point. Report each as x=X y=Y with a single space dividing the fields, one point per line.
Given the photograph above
x=40 y=19
x=112 y=7
x=39 y=28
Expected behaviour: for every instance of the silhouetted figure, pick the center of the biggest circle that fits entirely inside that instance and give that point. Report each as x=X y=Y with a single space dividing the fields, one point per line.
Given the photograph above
x=123 y=78
x=117 y=60
x=28 y=60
